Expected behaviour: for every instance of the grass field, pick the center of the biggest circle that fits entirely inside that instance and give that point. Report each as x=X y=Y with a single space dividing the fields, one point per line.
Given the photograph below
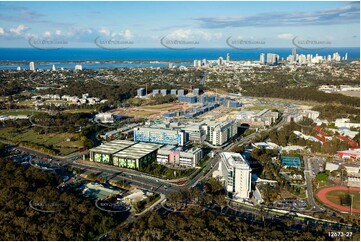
x=79 y=111
x=334 y=196
x=28 y=103
x=56 y=140
x=19 y=112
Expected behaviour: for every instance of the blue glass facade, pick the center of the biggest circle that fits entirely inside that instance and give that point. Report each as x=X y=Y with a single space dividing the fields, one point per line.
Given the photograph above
x=159 y=136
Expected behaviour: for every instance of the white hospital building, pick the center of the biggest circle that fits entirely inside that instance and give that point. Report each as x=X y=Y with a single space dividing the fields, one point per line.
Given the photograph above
x=236 y=174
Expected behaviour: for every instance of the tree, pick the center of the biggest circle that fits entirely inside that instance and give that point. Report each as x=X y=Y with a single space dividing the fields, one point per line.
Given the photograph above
x=221 y=201
x=175 y=198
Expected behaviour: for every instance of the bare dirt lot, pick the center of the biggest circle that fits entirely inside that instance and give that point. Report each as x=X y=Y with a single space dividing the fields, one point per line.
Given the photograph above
x=351 y=93
x=154 y=111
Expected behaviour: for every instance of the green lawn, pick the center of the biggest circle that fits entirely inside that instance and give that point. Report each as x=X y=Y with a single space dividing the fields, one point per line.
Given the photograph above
x=79 y=111
x=334 y=196
x=19 y=112
x=57 y=140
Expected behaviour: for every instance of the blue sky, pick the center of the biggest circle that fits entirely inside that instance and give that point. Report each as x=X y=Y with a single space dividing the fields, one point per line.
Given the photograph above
x=210 y=24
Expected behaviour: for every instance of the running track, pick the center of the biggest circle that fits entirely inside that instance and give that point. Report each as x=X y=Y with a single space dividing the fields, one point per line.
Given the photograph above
x=322 y=196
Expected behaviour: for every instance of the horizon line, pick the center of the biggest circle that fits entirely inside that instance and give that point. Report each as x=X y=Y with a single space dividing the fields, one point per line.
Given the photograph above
x=184 y=50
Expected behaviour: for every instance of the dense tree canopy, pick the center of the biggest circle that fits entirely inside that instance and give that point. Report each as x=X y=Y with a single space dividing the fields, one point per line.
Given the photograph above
x=73 y=218
x=197 y=224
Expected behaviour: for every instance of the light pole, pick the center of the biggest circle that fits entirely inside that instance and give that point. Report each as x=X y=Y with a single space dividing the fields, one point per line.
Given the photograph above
x=351 y=202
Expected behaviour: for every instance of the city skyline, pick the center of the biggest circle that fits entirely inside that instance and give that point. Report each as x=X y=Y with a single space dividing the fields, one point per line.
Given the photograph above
x=207 y=24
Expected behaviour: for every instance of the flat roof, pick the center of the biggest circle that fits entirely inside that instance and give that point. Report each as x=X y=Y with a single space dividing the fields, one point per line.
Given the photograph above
x=137 y=151
x=235 y=159
x=350 y=152
x=112 y=147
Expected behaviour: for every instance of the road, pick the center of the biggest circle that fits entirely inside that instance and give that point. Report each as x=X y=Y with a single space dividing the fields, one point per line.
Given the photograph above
x=309 y=191
x=152 y=183
x=140 y=179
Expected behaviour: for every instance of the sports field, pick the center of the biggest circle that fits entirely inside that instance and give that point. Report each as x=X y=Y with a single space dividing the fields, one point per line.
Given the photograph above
x=340 y=198
x=336 y=196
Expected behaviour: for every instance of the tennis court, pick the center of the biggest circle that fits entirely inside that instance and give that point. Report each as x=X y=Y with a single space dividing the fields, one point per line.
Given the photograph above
x=291 y=161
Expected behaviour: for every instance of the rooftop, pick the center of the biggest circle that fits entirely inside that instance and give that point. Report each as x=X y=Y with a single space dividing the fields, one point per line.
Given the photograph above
x=112 y=147
x=234 y=160
x=137 y=151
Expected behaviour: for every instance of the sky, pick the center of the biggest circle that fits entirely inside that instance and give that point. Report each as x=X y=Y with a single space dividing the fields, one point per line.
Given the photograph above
x=197 y=24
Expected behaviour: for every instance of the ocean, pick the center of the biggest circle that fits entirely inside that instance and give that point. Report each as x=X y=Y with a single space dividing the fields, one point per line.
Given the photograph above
x=95 y=58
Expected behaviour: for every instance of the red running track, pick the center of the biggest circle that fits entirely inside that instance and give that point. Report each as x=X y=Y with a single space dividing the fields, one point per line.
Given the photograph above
x=322 y=196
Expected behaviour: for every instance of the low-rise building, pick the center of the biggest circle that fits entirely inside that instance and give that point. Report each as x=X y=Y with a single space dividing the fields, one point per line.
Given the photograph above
x=347 y=154
x=181 y=92
x=178 y=157
x=136 y=156
x=141 y=92
x=331 y=166
x=311 y=114
x=123 y=153
x=187 y=99
x=265 y=117
x=104 y=117
x=345 y=123
x=196 y=91
x=231 y=103
x=104 y=153
x=164 y=92
x=205 y=99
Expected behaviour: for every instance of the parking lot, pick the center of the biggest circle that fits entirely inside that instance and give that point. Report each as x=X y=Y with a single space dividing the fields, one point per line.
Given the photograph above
x=317 y=165
x=290 y=204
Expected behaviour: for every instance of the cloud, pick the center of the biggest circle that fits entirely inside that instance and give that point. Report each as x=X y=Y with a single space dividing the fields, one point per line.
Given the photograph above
x=342 y=15
x=19 y=29
x=20 y=14
x=286 y=36
x=188 y=34
x=104 y=31
x=126 y=34
x=14 y=32
x=47 y=34
x=70 y=35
